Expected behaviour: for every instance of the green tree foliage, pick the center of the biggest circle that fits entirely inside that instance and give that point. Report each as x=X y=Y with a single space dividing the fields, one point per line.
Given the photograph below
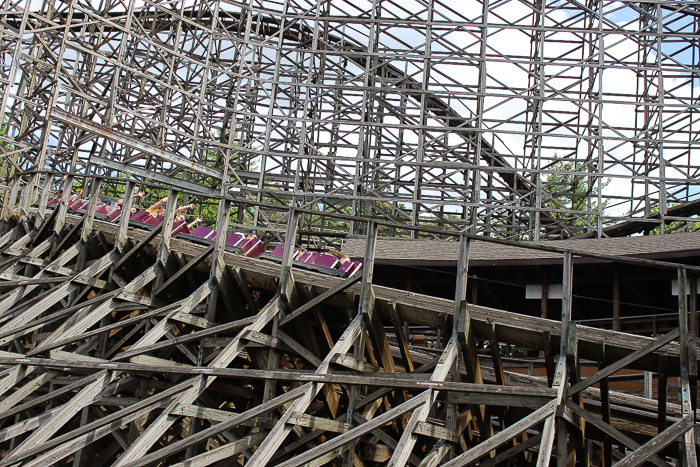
x=569 y=187
x=674 y=226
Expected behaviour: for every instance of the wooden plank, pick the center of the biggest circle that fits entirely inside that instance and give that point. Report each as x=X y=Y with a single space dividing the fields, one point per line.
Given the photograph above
x=282 y=429
x=298 y=348
x=122 y=237
x=220 y=427
x=689 y=455
x=68 y=443
x=435 y=431
x=318 y=423
x=502 y=437
x=618 y=365
x=401 y=340
x=189 y=410
x=345 y=438
x=222 y=452
x=498 y=399
x=408 y=438
x=192 y=320
x=185 y=269
x=139 y=246
x=144 y=442
x=656 y=444
x=241 y=323
x=338 y=288
x=391 y=382
x=286 y=282
x=605 y=404
x=612 y=432
x=61 y=417
x=512 y=452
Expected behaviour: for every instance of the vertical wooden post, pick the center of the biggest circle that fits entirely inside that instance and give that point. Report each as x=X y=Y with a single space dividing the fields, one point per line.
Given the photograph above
x=286 y=291
x=693 y=308
x=366 y=308
x=11 y=197
x=693 y=332
x=663 y=393
x=41 y=212
x=605 y=404
x=286 y=284
x=560 y=380
x=122 y=237
x=465 y=332
x=165 y=236
x=545 y=296
x=167 y=233
x=689 y=455
x=90 y=216
x=616 y=301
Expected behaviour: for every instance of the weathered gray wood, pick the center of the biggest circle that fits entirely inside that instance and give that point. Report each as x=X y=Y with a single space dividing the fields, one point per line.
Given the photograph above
x=435 y=431
x=502 y=437
x=689 y=454
x=165 y=420
x=614 y=367
x=219 y=428
x=187 y=268
x=61 y=417
x=341 y=286
x=222 y=452
x=139 y=246
x=122 y=237
x=318 y=423
x=64 y=445
x=282 y=429
x=185 y=338
x=341 y=440
x=613 y=432
x=207 y=413
x=657 y=443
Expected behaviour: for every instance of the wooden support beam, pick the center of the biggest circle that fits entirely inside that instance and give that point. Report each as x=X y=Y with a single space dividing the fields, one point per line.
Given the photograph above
x=122 y=234
x=689 y=451
x=605 y=404
x=401 y=339
x=656 y=444
x=165 y=420
x=614 y=433
x=139 y=246
x=338 y=288
x=502 y=437
x=220 y=427
x=282 y=429
x=559 y=383
x=574 y=368
x=357 y=432
x=616 y=301
x=64 y=445
x=619 y=364
x=185 y=269
x=92 y=205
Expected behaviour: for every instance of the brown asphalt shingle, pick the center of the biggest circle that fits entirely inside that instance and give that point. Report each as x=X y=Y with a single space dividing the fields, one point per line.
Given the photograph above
x=397 y=251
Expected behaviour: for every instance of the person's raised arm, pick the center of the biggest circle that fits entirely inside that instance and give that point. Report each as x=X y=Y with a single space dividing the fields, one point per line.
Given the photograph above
x=184 y=208
x=160 y=202
x=194 y=222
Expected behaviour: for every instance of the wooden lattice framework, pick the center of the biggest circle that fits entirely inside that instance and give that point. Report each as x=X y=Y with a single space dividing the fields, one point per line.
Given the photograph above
x=127 y=347
x=328 y=119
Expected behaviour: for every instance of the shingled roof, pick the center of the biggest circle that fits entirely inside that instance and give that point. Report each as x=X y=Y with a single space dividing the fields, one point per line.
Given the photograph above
x=430 y=252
